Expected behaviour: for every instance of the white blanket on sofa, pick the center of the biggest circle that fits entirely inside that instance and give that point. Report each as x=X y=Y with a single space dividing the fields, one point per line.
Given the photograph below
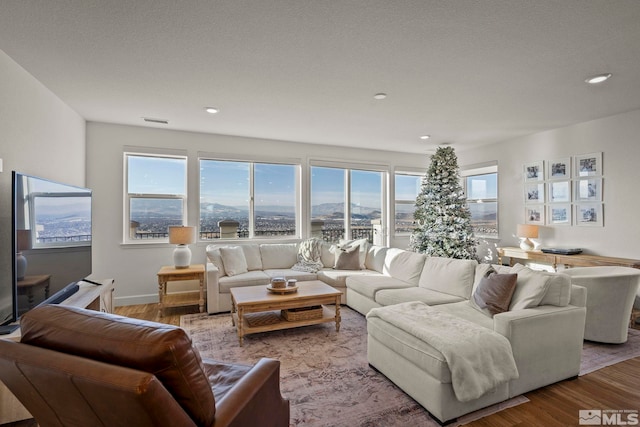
x=479 y=359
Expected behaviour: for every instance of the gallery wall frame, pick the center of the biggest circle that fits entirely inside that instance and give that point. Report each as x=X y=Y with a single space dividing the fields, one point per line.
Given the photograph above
x=588 y=165
x=534 y=192
x=558 y=169
x=587 y=190
x=559 y=214
x=588 y=214
x=559 y=191
x=534 y=214
x=534 y=171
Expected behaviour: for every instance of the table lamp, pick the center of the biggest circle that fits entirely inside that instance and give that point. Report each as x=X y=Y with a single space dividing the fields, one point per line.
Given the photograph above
x=527 y=231
x=182 y=236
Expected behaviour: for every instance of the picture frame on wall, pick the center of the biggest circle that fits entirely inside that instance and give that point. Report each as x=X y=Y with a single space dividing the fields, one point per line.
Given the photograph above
x=534 y=192
x=588 y=165
x=559 y=191
x=559 y=214
x=588 y=190
x=533 y=171
x=559 y=169
x=534 y=214
x=589 y=214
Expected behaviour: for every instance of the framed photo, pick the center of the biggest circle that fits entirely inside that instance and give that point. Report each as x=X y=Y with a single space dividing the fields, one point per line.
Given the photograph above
x=588 y=214
x=559 y=191
x=588 y=165
x=559 y=168
x=534 y=192
x=588 y=190
x=533 y=171
x=559 y=214
x=534 y=214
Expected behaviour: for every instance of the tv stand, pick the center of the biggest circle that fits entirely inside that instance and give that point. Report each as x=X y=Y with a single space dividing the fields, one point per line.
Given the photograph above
x=99 y=298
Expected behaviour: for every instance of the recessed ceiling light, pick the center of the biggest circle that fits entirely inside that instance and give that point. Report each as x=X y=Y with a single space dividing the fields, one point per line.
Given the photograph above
x=380 y=95
x=598 y=79
x=212 y=110
x=425 y=137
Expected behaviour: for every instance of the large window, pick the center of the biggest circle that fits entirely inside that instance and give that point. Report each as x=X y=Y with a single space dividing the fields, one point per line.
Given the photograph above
x=481 y=189
x=338 y=194
x=156 y=195
x=245 y=199
x=407 y=188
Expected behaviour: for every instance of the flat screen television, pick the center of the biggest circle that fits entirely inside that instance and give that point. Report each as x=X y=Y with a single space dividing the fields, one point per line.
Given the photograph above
x=51 y=244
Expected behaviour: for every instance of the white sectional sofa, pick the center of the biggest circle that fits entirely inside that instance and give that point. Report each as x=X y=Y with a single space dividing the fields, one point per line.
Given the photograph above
x=544 y=325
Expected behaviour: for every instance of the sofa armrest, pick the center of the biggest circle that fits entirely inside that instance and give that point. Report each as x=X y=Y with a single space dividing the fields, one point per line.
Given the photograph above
x=578 y=296
x=213 y=287
x=255 y=399
x=546 y=343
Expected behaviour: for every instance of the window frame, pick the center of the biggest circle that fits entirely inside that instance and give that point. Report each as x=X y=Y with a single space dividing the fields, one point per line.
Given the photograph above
x=478 y=170
x=126 y=229
x=397 y=201
x=252 y=162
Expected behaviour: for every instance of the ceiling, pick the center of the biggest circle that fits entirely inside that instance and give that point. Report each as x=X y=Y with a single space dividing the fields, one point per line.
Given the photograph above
x=466 y=72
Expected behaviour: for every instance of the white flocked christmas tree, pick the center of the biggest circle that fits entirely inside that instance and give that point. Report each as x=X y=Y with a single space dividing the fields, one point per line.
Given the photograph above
x=443 y=220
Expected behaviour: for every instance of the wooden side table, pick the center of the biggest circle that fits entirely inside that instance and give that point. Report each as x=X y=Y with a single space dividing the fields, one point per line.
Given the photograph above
x=27 y=285
x=171 y=274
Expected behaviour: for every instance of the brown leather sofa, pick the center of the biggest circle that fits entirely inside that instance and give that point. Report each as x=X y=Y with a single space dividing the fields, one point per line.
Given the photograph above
x=76 y=367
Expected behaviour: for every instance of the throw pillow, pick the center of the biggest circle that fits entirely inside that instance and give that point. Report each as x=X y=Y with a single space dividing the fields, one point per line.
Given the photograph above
x=494 y=292
x=234 y=260
x=213 y=254
x=348 y=259
x=530 y=289
x=362 y=244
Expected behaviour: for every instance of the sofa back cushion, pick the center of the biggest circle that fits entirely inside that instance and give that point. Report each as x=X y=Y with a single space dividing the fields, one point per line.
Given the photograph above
x=162 y=350
x=403 y=265
x=278 y=255
x=234 y=260
x=449 y=275
x=375 y=258
x=327 y=255
x=213 y=255
x=252 y=256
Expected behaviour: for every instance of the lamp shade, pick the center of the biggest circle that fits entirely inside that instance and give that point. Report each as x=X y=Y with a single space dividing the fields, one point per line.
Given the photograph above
x=24 y=240
x=527 y=230
x=182 y=235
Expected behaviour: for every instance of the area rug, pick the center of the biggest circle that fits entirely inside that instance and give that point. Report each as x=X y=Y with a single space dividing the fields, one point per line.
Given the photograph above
x=326 y=375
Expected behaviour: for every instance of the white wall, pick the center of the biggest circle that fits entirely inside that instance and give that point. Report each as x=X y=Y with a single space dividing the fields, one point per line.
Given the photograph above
x=618 y=138
x=39 y=135
x=134 y=267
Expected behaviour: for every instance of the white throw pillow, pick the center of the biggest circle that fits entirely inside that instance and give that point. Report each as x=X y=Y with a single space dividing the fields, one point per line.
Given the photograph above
x=233 y=260
x=213 y=254
x=530 y=288
x=253 y=257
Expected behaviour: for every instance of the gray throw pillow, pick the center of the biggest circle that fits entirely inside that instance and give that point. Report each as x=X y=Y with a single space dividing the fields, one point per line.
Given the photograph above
x=494 y=292
x=348 y=259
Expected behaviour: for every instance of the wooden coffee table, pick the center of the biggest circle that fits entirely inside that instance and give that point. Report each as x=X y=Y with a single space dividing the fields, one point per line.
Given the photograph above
x=257 y=303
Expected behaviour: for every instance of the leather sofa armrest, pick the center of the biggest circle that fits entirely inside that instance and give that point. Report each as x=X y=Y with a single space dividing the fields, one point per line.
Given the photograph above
x=255 y=399
x=213 y=287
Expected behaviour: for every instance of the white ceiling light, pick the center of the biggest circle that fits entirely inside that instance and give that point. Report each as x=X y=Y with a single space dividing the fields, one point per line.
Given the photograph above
x=212 y=110
x=598 y=79
x=380 y=95
x=425 y=137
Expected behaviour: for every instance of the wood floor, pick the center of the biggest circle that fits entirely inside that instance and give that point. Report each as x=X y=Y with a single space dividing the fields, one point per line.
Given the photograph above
x=615 y=387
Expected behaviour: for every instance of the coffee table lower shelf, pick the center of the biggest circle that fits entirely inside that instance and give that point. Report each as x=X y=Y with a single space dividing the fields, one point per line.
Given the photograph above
x=266 y=321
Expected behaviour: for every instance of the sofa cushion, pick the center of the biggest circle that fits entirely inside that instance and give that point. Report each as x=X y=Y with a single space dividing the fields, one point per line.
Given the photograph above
x=347 y=259
x=250 y=278
x=411 y=348
x=233 y=259
x=494 y=292
x=375 y=258
x=404 y=265
x=369 y=285
x=427 y=296
x=530 y=288
x=157 y=348
x=213 y=254
x=288 y=273
x=252 y=255
x=338 y=278
x=278 y=255
x=465 y=311
x=449 y=275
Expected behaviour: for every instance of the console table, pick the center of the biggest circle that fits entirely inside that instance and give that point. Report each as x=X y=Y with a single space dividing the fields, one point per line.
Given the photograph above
x=578 y=260
x=99 y=298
